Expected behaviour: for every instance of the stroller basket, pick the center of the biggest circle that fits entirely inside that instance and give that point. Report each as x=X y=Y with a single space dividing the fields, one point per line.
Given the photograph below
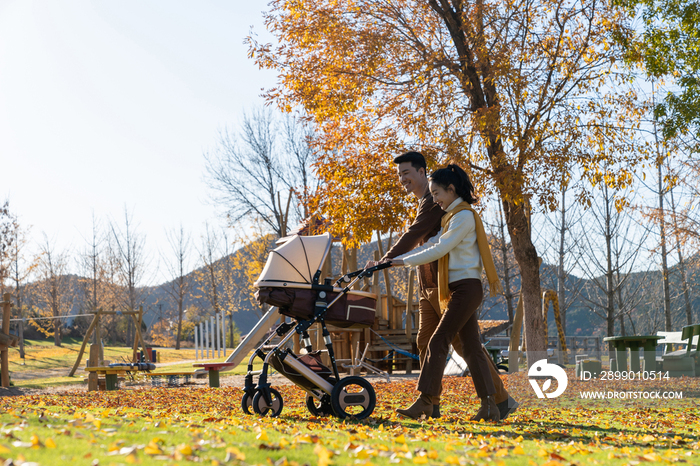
x=355 y=309
x=311 y=360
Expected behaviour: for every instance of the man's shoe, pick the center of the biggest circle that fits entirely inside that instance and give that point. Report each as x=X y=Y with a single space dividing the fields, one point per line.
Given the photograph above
x=505 y=408
x=436 y=411
x=422 y=407
x=488 y=411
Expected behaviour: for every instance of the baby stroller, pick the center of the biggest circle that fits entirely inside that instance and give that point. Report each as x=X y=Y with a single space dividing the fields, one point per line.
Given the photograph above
x=290 y=281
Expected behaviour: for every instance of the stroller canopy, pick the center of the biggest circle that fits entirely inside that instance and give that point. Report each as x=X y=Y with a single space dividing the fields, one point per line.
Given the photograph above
x=297 y=260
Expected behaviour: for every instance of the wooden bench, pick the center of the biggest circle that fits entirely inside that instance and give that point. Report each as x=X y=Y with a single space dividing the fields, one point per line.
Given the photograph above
x=683 y=361
x=172 y=378
x=111 y=375
x=214 y=368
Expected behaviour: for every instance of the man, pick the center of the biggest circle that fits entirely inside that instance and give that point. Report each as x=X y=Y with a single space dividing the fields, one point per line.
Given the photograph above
x=411 y=169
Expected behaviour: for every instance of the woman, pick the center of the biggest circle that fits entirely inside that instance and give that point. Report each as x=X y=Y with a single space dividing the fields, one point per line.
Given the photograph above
x=460 y=248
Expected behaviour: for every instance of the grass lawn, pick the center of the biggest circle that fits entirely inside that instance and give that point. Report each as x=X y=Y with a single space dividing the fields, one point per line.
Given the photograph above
x=202 y=425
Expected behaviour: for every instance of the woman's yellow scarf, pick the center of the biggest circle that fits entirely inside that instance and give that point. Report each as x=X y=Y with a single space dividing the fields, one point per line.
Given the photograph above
x=484 y=250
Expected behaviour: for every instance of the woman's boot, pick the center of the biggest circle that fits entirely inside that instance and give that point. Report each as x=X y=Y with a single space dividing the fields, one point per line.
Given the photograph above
x=423 y=406
x=488 y=410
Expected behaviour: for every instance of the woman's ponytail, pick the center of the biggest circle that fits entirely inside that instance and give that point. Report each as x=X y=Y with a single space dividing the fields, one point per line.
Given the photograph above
x=455 y=176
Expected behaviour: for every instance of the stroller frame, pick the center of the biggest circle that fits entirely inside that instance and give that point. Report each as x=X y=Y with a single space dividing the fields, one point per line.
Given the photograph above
x=323 y=396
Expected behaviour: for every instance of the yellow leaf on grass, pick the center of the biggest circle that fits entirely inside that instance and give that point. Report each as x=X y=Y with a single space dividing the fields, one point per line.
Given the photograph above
x=542 y=452
x=235 y=453
x=132 y=458
x=400 y=439
x=262 y=436
x=518 y=450
x=420 y=459
x=184 y=449
x=284 y=442
x=324 y=455
x=502 y=452
x=4 y=449
x=36 y=443
x=452 y=459
x=50 y=443
x=152 y=449
x=432 y=454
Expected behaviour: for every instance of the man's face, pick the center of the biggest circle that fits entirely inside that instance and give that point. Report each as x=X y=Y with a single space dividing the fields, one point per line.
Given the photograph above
x=412 y=180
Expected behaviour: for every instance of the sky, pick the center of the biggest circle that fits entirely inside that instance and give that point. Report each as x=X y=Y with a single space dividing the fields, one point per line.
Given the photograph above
x=107 y=106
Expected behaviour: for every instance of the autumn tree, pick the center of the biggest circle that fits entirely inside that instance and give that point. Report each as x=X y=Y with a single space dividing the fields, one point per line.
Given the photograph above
x=515 y=92
x=207 y=276
x=53 y=292
x=667 y=46
x=263 y=171
x=611 y=250
x=97 y=270
x=22 y=266
x=504 y=260
x=178 y=267
x=8 y=227
x=127 y=248
x=561 y=235
x=673 y=213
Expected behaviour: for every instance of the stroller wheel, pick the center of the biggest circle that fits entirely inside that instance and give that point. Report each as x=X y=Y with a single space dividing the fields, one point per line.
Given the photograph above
x=353 y=397
x=261 y=407
x=247 y=403
x=319 y=408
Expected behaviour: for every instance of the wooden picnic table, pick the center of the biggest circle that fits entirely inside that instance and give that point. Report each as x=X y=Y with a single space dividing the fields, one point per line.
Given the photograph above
x=213 y=368
x=111 y=375
x=647 y=342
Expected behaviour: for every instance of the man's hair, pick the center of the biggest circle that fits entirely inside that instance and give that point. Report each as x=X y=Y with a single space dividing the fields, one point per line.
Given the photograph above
x=416 y=158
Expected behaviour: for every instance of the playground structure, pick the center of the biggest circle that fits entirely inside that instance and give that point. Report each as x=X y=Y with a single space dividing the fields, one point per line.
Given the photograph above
x=6 y=340
x=96 y=354
x=210 y=335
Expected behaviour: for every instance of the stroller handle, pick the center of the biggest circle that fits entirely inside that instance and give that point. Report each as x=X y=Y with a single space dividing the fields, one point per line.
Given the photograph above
x=362 y=273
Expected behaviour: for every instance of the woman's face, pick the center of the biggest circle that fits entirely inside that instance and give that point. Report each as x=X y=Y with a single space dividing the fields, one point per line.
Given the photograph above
x=443 y=197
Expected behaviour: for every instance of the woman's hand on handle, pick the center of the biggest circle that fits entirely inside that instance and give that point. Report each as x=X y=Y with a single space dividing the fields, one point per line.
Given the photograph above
x=393 y=262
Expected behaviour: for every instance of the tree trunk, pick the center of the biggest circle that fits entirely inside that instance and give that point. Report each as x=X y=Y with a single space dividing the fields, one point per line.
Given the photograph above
x=561 y=273
x=609 y=272
x=664 y=253
x=526 y=256
x=662 y=227
x=179 y=324
x=506 y=267
x=681 y=263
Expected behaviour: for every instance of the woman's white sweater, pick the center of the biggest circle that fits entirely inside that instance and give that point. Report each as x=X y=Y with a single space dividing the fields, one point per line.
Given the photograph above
x=459 y=241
